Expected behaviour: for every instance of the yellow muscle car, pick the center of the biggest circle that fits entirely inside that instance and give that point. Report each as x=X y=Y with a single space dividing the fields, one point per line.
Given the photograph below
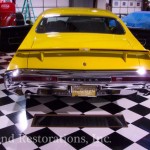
x=78 y=52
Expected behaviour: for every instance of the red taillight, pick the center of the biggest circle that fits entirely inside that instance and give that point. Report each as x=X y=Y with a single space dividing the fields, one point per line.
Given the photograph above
x=35 y=78
x=53 y=79
x=117 y=79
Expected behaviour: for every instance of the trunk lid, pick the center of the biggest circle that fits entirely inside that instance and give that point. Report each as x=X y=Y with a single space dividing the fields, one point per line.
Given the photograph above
x=86 y=52
x=85 y=60
x=82 y=40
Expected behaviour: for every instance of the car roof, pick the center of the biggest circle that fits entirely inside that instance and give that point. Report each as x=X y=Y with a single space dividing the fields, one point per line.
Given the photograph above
x=79 y=11
x=139 y=19
x=141 y=12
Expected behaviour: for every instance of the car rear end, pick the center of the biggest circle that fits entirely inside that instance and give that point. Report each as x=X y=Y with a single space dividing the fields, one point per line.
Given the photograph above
x=79 y=61
x=79 y=73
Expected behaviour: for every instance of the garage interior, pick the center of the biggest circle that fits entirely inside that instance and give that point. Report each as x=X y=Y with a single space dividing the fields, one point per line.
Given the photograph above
x=17 y=112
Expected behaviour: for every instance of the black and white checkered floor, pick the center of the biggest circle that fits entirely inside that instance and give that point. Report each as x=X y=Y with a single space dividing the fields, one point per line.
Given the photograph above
x=16 y=115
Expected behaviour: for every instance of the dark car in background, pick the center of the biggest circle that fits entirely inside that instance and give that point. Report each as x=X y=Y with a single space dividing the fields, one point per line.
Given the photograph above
x=12 y=36
x=139 y=25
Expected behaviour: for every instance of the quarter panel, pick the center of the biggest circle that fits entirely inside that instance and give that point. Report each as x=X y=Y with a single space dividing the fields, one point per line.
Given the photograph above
x=18 y=61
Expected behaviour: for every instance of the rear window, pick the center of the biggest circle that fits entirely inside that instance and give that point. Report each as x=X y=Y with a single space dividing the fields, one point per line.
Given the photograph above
x=87 y=24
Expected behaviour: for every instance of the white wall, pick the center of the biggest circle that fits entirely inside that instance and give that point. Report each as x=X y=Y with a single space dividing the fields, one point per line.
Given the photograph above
x=101 y=4
x=40 y=5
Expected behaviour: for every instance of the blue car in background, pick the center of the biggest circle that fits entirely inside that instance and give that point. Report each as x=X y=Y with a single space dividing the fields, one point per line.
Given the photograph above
x=139 y=25
x=139 y=19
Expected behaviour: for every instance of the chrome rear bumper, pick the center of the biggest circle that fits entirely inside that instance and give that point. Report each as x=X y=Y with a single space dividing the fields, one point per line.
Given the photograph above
x=57 y=82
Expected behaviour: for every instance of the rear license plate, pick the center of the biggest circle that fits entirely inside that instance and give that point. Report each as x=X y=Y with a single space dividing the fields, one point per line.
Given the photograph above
x=86 y=91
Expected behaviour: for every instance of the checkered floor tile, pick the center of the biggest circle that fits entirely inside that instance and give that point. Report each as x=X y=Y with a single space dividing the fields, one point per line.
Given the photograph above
x=16 y=115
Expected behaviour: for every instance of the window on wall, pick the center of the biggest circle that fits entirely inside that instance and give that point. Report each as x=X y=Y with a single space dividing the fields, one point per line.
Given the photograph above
x=124 y=7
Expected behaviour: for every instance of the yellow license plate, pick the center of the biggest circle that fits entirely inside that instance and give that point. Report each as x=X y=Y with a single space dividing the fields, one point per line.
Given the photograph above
x=86 y=91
